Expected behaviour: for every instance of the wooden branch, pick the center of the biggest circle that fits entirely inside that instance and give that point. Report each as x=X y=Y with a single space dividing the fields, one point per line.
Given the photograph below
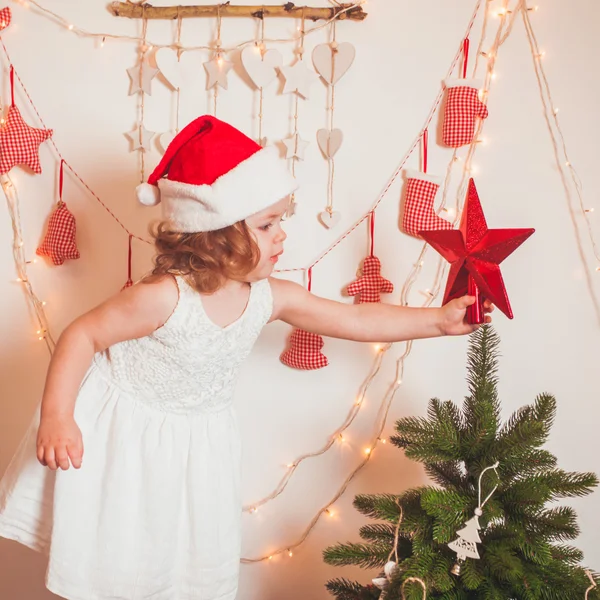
x=147 y=11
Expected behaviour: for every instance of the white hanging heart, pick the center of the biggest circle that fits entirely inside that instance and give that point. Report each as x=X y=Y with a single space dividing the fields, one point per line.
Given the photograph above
x=165 y=139
x=262 y=70
x=330 y=219
x=169 y=66
x=381 y=582
x=332 y=65
x=329 y=141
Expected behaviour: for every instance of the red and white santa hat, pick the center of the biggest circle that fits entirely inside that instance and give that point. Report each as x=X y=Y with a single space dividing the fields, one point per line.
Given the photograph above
x=212 y=176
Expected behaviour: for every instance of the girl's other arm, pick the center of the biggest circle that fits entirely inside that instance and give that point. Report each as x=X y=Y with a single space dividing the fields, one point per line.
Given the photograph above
x=135 y=312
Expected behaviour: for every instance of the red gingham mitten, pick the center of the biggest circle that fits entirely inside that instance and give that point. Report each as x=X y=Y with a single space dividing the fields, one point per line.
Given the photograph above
x=419 y=213
x=304 y=351
x=59 y=242
x=370 y=285
x=463 y=106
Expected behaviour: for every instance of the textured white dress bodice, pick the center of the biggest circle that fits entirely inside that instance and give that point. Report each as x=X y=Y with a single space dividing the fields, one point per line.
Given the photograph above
x=189 y=364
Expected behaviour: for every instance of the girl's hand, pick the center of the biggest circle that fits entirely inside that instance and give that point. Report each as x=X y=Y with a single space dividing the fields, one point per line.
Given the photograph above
x=59 y=442
x=454 y=316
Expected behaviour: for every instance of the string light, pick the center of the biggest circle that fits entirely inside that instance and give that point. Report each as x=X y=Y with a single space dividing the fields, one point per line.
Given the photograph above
x=290 y=553
x=367 y=450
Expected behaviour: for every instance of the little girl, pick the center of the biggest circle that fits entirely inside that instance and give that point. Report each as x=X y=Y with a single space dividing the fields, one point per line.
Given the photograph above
x=144 y=382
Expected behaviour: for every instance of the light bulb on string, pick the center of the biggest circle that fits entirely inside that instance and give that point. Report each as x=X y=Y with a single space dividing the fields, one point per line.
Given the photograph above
x=367 y=451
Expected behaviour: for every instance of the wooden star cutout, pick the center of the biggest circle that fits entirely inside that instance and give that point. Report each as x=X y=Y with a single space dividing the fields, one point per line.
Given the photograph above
x=20 y=143
x=295 y=147
x=298 y=78
x=141 y=138
x=141 y=78
x=217 y=70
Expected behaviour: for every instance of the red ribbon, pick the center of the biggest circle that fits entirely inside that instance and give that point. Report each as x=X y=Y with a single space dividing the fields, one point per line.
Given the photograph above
x=60 y=180
x=12 y=84
x=372 y=228
x=424 y=142
x=465 y=57
x=309 y=286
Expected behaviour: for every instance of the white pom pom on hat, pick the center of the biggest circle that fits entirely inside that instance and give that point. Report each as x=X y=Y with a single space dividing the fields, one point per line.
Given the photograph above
x=148 y=195
x=212 y=176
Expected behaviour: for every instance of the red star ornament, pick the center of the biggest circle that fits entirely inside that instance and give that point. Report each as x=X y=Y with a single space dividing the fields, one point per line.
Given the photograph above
x=5 y=17
x=475 y=253
x=20 y=143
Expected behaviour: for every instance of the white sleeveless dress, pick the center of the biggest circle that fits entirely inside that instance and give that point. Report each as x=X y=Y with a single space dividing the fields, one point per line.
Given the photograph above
x=155 y=510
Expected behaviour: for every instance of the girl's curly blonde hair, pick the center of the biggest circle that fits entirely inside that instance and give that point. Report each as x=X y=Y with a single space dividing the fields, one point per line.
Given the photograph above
x=207 y=258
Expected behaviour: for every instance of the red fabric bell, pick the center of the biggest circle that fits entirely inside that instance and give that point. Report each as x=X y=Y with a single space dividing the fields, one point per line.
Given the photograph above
x=304 y=351
x=59 y=241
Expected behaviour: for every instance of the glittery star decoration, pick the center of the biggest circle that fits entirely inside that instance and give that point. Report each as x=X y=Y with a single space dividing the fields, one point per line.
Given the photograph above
x=5 y=18
x=295 y=147
x=217 y=70
x=475 y=253
x=298 y=78
x=141 y=78
x=141 y=138
x=20 y=143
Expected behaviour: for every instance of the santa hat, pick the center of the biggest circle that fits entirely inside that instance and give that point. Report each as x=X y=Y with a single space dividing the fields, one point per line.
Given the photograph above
x=212 y=176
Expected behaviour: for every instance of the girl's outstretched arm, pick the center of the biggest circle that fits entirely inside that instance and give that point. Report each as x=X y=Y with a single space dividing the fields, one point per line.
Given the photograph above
x=368 y=322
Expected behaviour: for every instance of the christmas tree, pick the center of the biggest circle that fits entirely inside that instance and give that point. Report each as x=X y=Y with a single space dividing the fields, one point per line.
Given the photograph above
x=523 y=535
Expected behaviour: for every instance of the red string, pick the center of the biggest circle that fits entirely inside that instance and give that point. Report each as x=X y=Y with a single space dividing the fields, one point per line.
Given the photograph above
x=465 y=57
x=12 y=85
x=129 y=259
x=424 y=141
x=60 y=180
x=372 y=228
x=309 y=286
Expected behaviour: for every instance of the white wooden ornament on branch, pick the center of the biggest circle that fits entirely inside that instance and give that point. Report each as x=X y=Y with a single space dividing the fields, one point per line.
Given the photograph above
x=330 y=218
x=332 y=61
x=170 y=66
x=261 y=67
x=329 y=141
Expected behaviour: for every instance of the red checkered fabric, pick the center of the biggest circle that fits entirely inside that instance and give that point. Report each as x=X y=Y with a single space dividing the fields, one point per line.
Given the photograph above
x=304 y=351
x=5 y=17
x=59 y=243
x=20 y=143
x=419 y=213
x=370 y=285
x=463 y=106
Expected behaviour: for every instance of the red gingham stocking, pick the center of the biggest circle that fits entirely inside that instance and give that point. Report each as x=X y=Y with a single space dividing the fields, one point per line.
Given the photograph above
x=419 y=213
x=304 y=351
x=59 y=242
x=463 y=106
x=370 y=285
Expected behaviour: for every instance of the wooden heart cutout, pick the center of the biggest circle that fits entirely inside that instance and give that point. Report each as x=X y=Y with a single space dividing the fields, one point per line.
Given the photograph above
x=165 y=139
x=169 y=66
x=261 y=70
x=330 y=219
x=330 y=65
x=329 y=141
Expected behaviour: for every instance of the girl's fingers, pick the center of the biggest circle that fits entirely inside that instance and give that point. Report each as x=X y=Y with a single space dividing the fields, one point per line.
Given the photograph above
x=50 y=458
x=62 y=457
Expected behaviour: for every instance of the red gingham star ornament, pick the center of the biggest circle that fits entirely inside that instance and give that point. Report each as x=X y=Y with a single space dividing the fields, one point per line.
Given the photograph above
x=463 y=107
x=59 y=242
x=5 y=18
x=19 y=142
x=419 y=212
x=371 y=284
x=305 y=351
x=475 y=253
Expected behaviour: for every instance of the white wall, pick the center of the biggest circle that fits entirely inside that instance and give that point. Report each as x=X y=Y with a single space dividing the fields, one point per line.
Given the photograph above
x=403 y=51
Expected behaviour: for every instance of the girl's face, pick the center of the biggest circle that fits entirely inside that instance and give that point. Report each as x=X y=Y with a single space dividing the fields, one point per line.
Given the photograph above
x=266 y=228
